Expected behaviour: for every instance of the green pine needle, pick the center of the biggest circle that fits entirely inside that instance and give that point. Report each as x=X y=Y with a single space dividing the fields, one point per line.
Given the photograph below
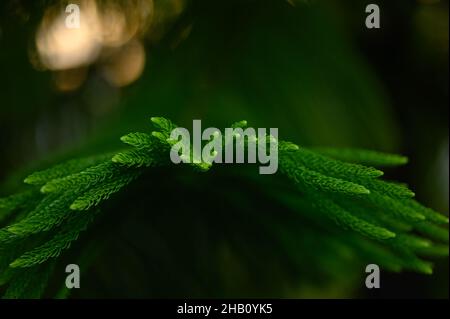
x=364 y=157
x=333 y=167
x=54 y=247
x=65 y=169
x=325 y=184
x=346 y=219
x=102 y=192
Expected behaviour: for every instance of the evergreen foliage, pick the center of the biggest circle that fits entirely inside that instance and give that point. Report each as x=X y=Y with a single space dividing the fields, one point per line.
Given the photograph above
x=61 y=202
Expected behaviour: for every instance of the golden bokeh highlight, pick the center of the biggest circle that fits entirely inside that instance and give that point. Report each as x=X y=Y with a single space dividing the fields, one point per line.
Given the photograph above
x=69 y=80
x=125 y=65
x=110 y=35
x=60 y=47
x=68 y=51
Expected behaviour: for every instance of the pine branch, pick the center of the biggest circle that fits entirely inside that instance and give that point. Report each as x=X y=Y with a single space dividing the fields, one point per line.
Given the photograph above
x=364 y=157
x=346 y=219
x=387 y=188
x=307 y=178
x=29 y=284
x=103 y=191
x=9 y=205
x=433 y=231
x=65 y=169
x=430 y=214
x=46 y=223
x=68 y=233
x=394 y=206
x=139 y=140
x=49 y=213
x=138 y=158
x=333 y=167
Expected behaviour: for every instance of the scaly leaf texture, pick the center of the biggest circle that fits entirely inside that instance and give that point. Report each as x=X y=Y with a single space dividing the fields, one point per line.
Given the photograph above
x=430 y=214
x=394 y=206
x=345 y=219
x=10 y=204
x=30 y=283
x=349 y=193
x=333 y=167
x=60 y=242
x=364 y=157
x=139 y=140
x=103 y=191
x=49 y=213
x=65 y=169
x=84 y=179
x=138 y=158
x=305 y=177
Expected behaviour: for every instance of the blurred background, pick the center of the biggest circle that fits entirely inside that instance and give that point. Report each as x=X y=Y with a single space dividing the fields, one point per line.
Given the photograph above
x=310 y=68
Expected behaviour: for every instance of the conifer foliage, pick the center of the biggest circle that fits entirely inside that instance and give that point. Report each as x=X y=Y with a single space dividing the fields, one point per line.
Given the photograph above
x=59 y=203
